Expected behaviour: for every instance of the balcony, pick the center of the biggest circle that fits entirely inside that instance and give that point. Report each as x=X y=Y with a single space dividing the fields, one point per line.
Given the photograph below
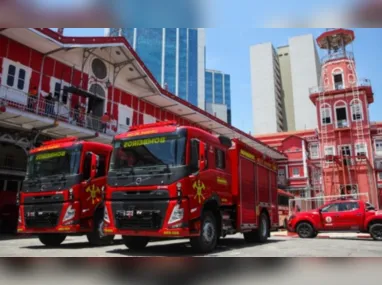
x=338 y=55
x=321 y=89
x=52 y=117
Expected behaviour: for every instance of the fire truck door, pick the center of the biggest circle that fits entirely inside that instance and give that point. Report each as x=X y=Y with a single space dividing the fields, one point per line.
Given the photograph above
x=247 y=192
x=351 y=216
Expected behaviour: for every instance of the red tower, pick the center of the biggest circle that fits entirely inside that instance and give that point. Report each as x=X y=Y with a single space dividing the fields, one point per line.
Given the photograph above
x=342 y=103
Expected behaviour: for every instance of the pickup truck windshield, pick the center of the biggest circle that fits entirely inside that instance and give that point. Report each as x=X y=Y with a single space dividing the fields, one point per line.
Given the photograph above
x=168 y=150
x=60 y=161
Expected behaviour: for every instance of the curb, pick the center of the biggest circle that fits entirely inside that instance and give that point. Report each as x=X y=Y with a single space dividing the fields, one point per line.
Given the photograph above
x=325 y=236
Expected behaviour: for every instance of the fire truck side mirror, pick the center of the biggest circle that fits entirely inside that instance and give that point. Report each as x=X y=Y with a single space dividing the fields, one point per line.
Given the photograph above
x=91 y=165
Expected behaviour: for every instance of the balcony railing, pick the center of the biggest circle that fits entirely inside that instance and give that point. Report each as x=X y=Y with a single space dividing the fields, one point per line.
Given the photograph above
x=338 y=55
x=359 y=83
x=59 y=111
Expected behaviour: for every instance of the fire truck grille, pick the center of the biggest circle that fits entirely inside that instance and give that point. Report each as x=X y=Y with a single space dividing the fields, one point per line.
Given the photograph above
x=42 y=216
x=139 y=215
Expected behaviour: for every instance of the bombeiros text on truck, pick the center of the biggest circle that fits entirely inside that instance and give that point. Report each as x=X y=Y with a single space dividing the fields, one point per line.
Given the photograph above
x=183 y=182
x=61 y=194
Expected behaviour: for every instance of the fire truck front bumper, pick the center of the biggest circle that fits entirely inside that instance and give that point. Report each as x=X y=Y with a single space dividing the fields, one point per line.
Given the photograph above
x=154 y=218
x=58 y=218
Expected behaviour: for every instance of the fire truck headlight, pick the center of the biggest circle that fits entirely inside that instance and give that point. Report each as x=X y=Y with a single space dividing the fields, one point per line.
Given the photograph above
x=103 y=193
x=20 y=220
x=71 y=196
x=106 y=215
x=18 y=198
x=69 y=215
x=176 y=215
x=179 y=189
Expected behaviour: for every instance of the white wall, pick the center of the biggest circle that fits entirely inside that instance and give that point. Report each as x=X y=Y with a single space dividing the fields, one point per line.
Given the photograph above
x=263 y=89
x=304 y=76
x=201 y=68
x=220 y=110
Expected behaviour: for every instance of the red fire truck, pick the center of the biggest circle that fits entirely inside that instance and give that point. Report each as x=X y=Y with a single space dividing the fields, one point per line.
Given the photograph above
x=61 y=194
x=169 y=181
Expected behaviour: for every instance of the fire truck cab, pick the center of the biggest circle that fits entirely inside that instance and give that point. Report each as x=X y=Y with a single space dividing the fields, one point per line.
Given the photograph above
x=61 y=194
x=169 y=181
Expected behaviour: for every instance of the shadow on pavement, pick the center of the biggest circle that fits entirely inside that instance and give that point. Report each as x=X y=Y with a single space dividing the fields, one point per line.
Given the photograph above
x=72 y=245
x=15 y=236
x=184 y=248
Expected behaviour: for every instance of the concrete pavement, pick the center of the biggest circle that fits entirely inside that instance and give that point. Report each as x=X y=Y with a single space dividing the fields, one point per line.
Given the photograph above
x=278 y=246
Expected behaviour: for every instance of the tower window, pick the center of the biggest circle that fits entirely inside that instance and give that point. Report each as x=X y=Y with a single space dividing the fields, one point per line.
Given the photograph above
x=326 y=117
x=341 y=117
x=338 y=82
x=356 y=110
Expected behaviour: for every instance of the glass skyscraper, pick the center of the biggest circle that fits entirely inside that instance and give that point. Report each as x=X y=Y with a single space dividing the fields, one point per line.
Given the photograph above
x=218 y=94
x=175 y=56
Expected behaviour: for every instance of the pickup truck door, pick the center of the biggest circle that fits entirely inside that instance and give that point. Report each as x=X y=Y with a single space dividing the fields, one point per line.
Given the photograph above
x=351 y=216
x=331 y=218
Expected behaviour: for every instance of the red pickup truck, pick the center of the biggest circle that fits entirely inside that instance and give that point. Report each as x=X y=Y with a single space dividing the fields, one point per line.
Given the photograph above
x=338 y=216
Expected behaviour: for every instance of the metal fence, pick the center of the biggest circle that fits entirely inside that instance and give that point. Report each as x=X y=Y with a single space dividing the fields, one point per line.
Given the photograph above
x=307 y=204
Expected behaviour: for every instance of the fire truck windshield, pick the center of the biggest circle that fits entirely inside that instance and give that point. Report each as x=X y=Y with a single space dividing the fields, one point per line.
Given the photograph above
x=167 y=150
x=55 y=162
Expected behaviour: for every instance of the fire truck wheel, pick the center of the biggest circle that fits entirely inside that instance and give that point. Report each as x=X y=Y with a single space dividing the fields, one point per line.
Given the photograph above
x=261 y=234
x=52 y=240
x=376 y=231
x=135 y=243
x=208 y=238
x=97 y=237
x=305 y=230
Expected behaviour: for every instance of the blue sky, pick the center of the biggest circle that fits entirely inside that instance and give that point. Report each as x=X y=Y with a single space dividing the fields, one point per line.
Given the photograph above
x=228 y=51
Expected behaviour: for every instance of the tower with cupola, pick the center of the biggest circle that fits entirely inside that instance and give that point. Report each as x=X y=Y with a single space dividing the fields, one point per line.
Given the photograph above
x=342 y=103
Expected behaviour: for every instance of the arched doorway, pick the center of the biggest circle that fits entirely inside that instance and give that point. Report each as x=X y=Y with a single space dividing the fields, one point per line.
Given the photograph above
x=13 y=163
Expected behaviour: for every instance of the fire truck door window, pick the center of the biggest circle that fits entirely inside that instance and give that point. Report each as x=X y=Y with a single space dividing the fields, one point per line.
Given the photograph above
x=219 y=158
x=101 y=170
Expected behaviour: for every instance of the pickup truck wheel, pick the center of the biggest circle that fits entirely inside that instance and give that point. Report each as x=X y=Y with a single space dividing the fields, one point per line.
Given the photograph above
x=51 y=240
x=305 y=230
x=207 y=240
x=97 y=237
x=135 y=243
x=261 y=234
x=376 y=232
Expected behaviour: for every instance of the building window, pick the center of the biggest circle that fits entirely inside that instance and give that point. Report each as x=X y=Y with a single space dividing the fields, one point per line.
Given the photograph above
x=341 y=116
x=379 y=176
x=378 y=147
x=345 y=150
x=295 y=172
x=11 y=75
x=326 y=116
x=356 y=111
x=314 y=152
x=360 y=149
x=21 y=80
x=329 y=150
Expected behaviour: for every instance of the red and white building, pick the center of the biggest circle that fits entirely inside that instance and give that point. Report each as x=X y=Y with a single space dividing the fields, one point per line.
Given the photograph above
x=344 y=154
x=83 y=74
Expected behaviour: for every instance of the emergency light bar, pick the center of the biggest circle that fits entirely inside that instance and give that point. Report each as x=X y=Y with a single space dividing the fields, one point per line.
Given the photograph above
x=153 y=125
x=68 y=139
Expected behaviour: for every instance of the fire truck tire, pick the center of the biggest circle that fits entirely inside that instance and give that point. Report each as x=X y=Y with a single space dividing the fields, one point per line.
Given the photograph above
x=135 y=243
x=207 y=241
x=305 y=230
x=260 y=235
x=52 y=240
x=97 y=238
x=375 y=231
